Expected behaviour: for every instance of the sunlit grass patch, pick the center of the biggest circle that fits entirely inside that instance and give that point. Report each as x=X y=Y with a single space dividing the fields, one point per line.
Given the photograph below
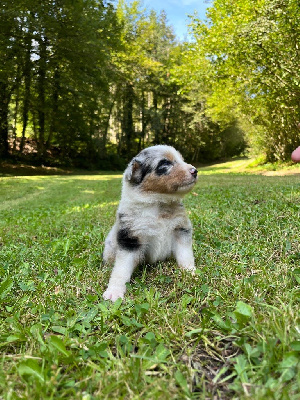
x=251 y=166
x=229 y=332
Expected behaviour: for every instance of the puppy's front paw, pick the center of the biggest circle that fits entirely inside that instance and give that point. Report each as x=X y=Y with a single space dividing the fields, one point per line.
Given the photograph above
x=113 y=293
x=190 y=268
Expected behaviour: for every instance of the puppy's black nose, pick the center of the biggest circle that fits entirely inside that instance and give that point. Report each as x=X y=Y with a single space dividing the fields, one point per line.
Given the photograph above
x=194 y=172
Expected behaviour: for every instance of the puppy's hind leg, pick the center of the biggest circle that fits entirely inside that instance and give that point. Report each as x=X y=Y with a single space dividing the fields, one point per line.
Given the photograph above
x=182 y=249
x=125 y=263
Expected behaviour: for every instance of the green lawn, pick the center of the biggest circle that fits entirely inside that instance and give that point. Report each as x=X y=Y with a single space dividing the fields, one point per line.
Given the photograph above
x=230 y=332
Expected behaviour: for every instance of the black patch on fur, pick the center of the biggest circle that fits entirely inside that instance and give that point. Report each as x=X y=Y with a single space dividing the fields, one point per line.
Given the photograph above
x=144 y=153
x=146 y=169
x=184 y=231
x=121 y=215
x=163 y=167
x=126 y=241
x=140 y=173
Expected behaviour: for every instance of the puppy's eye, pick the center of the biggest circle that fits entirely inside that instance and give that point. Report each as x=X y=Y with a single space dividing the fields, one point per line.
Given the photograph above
x=163 y=167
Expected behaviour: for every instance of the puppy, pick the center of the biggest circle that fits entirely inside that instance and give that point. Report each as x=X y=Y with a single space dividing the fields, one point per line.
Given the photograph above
x=151 y=223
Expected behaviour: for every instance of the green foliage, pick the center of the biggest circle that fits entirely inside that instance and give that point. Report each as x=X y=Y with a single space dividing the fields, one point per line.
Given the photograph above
x=252 y=47
x=91 y=83
x=230 y=331
x=60 y=71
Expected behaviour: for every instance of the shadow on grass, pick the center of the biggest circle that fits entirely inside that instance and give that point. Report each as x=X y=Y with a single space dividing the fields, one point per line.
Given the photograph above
x=8 y=169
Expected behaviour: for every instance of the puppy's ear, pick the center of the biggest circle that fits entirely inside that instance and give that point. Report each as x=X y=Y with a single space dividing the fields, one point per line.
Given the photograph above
x=132 y=170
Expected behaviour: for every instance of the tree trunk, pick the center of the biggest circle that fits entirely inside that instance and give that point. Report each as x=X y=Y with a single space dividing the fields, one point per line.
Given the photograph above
x=55 y=94
x=27 y=88
x=16 y=110
x=106 y=126
x=41 y=95
x=156 y=121
x=128 y=117
x=4 y=105
x=166 y=117
x=144 y=124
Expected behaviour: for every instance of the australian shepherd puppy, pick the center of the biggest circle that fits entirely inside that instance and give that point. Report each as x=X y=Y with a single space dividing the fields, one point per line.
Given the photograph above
x=151 y=222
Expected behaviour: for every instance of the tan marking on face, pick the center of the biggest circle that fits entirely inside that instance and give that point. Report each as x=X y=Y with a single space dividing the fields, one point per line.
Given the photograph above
x=167 y=184
x=170 y=156
x=135 y=167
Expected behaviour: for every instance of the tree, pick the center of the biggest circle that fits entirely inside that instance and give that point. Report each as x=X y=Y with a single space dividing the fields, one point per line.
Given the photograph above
x=64 y=58
x=91 y=84
x=253 y=50
x=9 y=52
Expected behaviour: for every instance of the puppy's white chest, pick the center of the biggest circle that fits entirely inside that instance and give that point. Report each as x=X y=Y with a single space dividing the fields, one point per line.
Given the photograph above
x=160 y=247
x=161 y=241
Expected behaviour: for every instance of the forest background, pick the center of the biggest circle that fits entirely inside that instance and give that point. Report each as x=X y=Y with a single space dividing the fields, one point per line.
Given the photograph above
x=89 y=83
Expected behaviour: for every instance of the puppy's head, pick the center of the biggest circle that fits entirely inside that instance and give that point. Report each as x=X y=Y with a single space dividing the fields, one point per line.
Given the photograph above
x=160 y=169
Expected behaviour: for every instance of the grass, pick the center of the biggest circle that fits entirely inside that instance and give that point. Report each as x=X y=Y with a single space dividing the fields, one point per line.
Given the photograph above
x=253 y=165
x=230 y=332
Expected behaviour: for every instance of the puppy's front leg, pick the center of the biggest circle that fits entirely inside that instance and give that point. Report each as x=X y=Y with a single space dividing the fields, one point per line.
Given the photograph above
x=182 y=249
x=110 y=247
x=125 y=263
